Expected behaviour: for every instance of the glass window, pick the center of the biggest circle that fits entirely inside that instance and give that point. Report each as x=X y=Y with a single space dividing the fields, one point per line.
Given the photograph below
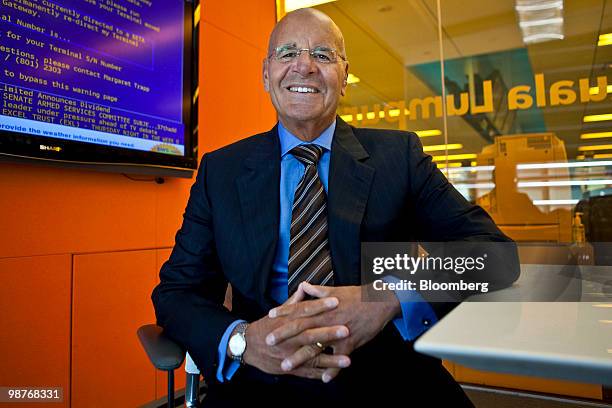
x=512 y=100
x=518 y=114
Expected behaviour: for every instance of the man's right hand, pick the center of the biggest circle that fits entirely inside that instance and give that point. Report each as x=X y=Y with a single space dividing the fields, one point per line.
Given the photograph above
x=268 y=358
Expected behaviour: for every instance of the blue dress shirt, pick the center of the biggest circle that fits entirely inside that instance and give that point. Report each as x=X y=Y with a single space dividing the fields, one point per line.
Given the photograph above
x=417 y=314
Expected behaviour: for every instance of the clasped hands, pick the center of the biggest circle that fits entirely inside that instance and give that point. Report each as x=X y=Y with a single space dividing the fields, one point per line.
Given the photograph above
x=291 y=339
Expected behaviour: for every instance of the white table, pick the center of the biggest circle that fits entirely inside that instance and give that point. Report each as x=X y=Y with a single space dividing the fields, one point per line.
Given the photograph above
x=564 y=340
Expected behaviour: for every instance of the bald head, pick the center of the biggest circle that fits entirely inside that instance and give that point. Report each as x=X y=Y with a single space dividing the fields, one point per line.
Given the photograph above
x=312 y=19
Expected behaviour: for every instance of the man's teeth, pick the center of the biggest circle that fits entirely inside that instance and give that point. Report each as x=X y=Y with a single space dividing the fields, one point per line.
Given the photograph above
x=302 y=89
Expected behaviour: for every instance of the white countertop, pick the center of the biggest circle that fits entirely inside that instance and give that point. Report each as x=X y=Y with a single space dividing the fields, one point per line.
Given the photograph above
x=565 y=340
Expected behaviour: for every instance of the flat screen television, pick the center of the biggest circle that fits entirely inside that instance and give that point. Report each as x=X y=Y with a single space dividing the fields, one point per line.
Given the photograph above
x=101 y=84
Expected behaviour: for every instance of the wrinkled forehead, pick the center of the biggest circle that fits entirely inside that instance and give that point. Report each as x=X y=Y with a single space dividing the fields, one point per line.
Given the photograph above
x=310 y=33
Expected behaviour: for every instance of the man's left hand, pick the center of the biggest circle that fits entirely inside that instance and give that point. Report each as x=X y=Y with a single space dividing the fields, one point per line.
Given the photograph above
x=363 y=319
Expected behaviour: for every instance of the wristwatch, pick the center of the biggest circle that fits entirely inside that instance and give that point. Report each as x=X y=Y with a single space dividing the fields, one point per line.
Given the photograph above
x=237 y=343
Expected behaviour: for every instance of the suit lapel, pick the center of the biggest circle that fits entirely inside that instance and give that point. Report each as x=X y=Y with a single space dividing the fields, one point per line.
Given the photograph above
x=258 y=189
x=259 y=193
x=349 y=187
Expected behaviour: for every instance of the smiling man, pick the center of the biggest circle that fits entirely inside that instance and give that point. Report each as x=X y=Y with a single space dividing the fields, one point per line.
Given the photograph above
x=305 y=73
x=280 y=216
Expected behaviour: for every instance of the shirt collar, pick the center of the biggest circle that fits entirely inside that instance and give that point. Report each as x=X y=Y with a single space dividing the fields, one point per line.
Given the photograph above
x=288 y=141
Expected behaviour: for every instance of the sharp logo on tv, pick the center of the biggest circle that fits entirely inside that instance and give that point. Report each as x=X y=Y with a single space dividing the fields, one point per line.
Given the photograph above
x=53 y=148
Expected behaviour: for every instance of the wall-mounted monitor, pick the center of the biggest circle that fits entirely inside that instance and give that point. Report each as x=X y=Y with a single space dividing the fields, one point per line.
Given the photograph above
x=103 y=84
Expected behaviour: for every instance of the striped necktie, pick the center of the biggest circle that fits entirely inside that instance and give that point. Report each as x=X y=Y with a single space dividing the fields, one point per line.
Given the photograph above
x=309 y=255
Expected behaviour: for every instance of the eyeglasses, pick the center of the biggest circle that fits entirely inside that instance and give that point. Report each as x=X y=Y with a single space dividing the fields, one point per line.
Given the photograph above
x=289 y=53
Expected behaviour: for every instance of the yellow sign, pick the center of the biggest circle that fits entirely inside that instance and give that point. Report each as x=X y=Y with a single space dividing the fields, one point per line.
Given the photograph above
x=518 y=98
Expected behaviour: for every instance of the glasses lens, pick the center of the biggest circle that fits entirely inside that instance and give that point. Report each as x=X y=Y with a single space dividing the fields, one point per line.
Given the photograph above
x=323 y=55
x=286 y=54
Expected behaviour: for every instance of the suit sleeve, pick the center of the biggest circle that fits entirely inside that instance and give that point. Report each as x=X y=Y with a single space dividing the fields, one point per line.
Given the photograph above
x=443 y=214
x=188 y=300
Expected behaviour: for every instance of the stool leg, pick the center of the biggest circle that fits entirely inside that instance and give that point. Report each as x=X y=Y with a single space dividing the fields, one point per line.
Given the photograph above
x=170 y=388
x=192 y=391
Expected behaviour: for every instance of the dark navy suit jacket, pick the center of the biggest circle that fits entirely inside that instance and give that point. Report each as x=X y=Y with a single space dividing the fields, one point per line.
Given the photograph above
x=382 y=187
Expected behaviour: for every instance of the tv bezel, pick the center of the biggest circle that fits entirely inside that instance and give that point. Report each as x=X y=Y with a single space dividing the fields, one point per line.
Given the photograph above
x=16 y=147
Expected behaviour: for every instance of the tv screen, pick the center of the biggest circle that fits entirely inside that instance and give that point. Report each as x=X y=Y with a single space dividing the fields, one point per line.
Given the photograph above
x=99 y=83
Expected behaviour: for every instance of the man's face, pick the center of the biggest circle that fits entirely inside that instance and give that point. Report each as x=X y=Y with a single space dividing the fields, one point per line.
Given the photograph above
x=325 y=83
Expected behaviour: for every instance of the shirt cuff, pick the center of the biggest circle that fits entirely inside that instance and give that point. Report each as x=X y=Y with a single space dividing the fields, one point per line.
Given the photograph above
x=417 y=314
x=226 y=373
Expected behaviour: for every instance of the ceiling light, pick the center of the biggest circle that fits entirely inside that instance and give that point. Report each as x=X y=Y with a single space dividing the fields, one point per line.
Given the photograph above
x=541 y=37
x=531 y=166
x=563 y=183
x=595 y=156
x=371 y=115
x=394 y=113
x=474 y=169
x=352 y=79
x=443 y=165
x=555 y=202
x=540 y=20
x=454 y=157
x=597 y=118
x=430 y=132
x=475 y=185
x=605 y=39
x=291 y=5
x=594 y=90
x=546 y=21
x=538 y=7
x=596 y=147
x=435 y=148
x=598 y=135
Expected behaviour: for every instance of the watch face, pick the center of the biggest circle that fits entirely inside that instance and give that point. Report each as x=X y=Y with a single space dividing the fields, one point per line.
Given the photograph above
x=237 y=344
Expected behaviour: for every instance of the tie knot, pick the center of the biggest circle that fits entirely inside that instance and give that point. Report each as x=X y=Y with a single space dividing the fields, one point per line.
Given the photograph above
x=308 y=154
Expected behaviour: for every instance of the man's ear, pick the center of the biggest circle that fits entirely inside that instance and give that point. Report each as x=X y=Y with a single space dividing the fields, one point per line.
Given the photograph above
x=266 y=79
x=344 y=82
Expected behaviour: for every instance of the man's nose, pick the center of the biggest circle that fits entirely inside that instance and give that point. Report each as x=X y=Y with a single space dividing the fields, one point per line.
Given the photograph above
x=305 y=64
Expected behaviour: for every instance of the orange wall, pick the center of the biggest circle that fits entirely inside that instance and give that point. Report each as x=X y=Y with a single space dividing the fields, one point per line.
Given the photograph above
x=80 y=251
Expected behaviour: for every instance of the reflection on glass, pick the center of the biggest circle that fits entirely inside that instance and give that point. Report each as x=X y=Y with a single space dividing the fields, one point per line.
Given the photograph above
x=520 y=122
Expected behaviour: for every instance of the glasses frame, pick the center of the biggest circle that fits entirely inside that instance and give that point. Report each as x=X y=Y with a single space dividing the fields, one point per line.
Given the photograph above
x=337 y=57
